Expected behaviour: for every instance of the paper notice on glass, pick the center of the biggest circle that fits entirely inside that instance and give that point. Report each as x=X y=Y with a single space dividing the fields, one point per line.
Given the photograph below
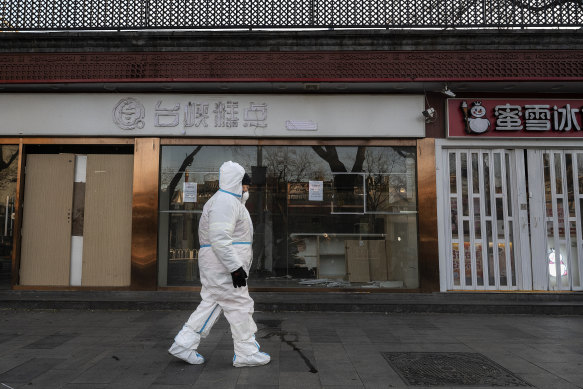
x=316 y=191
x=189 y=192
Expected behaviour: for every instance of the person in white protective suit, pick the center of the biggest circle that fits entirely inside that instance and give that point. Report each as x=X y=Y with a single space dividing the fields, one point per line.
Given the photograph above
x=225 y=233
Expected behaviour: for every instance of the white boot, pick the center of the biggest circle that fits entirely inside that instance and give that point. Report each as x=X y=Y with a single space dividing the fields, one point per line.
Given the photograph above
x=187 y=355
x=257 y=359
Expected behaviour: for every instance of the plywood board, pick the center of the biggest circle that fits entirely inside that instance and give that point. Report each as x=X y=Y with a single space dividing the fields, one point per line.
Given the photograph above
x=46 y=220
x=377 y=255
x=357 y=261
x=107 y=230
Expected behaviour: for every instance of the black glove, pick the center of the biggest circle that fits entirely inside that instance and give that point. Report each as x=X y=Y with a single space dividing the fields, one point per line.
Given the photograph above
x=239 y=276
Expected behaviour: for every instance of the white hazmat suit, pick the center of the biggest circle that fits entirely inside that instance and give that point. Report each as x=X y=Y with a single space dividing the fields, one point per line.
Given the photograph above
x=225 y=233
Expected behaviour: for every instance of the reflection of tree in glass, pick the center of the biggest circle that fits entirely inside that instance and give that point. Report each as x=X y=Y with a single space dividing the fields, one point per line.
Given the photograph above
x=178 y=176
x=288 y=164
x=386 y=182
x=342 y=182
x=385 y=169
x=347 y=188
x=285 y=165
x=8 y=170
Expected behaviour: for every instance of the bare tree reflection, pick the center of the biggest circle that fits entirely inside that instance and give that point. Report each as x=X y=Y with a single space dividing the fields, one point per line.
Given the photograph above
x=386 y=178
x=7 y=176
x=342 y=182
x=178 y=176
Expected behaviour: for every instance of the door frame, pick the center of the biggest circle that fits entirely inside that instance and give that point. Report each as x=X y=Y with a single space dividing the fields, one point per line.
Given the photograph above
x=23 y=143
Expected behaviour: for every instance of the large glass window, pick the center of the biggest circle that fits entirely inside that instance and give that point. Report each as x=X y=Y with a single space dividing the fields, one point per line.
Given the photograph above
x=8 y=176
x=324 y=216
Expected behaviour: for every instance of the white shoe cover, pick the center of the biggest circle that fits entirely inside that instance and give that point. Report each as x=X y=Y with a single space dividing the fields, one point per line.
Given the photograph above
x=190 y=356
x=257 y=359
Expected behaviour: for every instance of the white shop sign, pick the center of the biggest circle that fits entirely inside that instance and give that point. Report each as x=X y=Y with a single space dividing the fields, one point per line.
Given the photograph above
x=40 y=114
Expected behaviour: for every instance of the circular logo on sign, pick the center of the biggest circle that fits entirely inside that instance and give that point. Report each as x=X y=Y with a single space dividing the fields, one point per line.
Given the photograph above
x=128 y=114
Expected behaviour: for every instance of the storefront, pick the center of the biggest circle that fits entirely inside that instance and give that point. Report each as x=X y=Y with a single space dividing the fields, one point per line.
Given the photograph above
x=510 y=191
x=108 y=189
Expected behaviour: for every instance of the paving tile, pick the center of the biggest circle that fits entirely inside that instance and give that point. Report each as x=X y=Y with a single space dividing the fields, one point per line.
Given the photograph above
x=337 y=372
x=143 y=372
x=297 y=380
x=219 y=371
x=352 y=335
x=370 y=367
x=297 y=361
x=505 y=331
x=380 y=336
x=329 y=351
x=291 y=346
x=564 y=368
x=17 y=343
x=546 y=381
x=324 y=335
x=53 y=379
x=420 y=324
x=30 y=369
x=83 y=358
x=514 y=363
x=574 y=378
x=105 y=370
x=12 y=360
x=51 y=341
x=150 y=317
x=388 y=384
x=7 y=336
x=260 y=375
x=177 y=372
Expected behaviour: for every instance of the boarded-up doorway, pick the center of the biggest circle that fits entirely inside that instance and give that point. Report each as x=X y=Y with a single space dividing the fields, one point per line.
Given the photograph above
x=59 y=248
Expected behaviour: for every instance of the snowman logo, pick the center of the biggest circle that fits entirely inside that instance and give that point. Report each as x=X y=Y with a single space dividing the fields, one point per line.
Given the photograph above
x=475 y=121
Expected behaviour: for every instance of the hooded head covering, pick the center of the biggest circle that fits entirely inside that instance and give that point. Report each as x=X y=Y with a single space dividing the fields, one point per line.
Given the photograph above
x=230 y=177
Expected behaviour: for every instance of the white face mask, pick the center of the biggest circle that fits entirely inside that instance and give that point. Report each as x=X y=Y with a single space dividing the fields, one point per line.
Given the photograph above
x=244 y=197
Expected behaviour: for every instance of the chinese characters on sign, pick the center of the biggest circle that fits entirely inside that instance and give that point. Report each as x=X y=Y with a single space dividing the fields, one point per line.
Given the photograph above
x=515 y=118
x=129 y=114
x=536 y=118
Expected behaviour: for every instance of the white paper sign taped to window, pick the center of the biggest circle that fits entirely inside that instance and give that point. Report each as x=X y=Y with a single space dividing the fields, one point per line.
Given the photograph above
x=316 y=191
x=189 y=192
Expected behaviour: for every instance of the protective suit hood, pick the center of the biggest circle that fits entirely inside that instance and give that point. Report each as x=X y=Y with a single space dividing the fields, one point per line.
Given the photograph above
x=231 y=174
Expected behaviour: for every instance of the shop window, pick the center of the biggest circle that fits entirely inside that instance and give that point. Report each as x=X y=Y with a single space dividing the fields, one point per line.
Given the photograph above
x=324 y=216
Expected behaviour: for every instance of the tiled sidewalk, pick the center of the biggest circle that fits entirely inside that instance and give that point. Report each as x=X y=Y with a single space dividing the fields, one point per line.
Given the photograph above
x=127 y=349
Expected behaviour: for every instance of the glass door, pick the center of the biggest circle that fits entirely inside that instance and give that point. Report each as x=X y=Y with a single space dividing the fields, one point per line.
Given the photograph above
x=483 y=236
x=557 y=181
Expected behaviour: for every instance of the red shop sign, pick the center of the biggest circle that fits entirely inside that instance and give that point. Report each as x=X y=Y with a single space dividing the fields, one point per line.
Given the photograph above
x=514 y=118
